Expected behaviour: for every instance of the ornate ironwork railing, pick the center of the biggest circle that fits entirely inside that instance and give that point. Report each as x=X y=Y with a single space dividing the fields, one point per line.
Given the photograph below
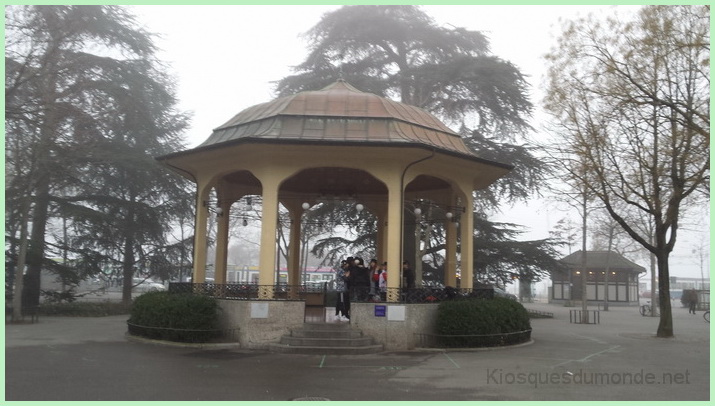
x=249 y=291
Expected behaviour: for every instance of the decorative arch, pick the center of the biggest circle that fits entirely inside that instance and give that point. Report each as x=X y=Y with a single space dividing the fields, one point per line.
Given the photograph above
x=438 y=199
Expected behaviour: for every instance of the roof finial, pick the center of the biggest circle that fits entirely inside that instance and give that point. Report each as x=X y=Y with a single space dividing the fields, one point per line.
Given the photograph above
x=340 y=74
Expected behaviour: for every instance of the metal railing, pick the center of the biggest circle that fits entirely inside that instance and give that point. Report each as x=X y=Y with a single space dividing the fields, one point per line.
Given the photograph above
x=593 y=317
x=250 y=291
x=538 y=314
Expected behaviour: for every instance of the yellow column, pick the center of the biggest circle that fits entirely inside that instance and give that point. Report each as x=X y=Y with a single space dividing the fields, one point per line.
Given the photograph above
x=380 y=211
x=269 y=222
x=202 y=213
x=450 y=256
x=296 y=214
x=394 y=239
x=222 y=244
x=467 y=242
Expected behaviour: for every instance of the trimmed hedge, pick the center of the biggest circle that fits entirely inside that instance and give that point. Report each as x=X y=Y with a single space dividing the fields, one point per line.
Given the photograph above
x=482 y=323
x=175 y=317
x=83 y=309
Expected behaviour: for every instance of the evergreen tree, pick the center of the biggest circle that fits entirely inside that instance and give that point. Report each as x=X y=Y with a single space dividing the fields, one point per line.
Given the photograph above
x=400 y=52
x=86 y=107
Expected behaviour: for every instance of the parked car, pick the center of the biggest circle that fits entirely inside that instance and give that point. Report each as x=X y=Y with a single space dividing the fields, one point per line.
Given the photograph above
x=146 y=285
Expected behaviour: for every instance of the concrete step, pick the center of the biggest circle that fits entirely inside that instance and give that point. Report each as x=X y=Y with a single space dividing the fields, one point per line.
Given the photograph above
x=337 y=326
x=326 y=338
x=288 y=349
x=326 y=342
x=326 y=333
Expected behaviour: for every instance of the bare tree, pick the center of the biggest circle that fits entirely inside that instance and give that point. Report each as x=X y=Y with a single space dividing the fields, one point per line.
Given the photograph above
x=631 y=101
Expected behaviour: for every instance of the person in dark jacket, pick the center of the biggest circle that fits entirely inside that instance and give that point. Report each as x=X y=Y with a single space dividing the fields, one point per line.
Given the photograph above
x=409 y=275
x=360 y=280
x=692 y=301
x=342 y=284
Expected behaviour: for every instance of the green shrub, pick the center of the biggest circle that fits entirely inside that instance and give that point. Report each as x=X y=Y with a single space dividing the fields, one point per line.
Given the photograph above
x=56 y=296
x=83 y=309
x=482 y=323
x=175 y=317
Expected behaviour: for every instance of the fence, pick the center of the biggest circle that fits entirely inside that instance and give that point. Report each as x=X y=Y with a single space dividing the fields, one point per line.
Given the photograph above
x=247 y=291
x=538 y=314
x=575 y=316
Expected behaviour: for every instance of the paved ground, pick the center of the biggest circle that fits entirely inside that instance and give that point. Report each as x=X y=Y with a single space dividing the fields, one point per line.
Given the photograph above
x=619 y=359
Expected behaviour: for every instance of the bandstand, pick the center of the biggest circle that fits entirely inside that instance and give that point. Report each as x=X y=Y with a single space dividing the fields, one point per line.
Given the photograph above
x=297 y=150
x=337 y=141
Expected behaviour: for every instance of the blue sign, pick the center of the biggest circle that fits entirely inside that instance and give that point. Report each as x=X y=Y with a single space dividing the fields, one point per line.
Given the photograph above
x=380 y=310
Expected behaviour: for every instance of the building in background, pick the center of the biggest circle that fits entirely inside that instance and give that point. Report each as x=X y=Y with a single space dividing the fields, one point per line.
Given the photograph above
x=605 y=272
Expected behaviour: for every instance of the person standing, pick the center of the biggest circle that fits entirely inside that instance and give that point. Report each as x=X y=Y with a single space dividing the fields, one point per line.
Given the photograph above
x=693 y=302
x=342 y=286
x=409 y=275
x=374 y=278
x=382 y=281
x=360 y=280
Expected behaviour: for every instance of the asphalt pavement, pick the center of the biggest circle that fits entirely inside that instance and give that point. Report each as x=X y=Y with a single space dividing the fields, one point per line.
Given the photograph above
x=91 y=359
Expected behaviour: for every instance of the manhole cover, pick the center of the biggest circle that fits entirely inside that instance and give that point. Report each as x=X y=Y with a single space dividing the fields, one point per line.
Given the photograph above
x=311 y=398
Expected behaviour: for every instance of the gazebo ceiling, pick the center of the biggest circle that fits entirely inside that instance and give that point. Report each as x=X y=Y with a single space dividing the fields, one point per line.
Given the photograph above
x=335 y=181
x=339 y=113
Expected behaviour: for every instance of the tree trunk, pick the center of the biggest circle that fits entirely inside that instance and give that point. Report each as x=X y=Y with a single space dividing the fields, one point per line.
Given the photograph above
x=21 y=260
x=128 y=270
x=665 y=327
x=525 y=288
x=584 y=273
x=608 y=266
x=653 y=286
x=36 y=249
x=41 y=182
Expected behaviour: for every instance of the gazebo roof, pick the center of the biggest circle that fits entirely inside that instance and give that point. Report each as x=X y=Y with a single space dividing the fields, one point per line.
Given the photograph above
x=340 y=113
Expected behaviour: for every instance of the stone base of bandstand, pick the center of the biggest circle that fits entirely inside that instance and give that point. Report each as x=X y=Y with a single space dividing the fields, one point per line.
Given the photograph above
x=394 y=325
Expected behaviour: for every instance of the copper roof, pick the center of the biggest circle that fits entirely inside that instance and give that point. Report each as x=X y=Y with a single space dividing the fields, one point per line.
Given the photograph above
x=338 y=113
